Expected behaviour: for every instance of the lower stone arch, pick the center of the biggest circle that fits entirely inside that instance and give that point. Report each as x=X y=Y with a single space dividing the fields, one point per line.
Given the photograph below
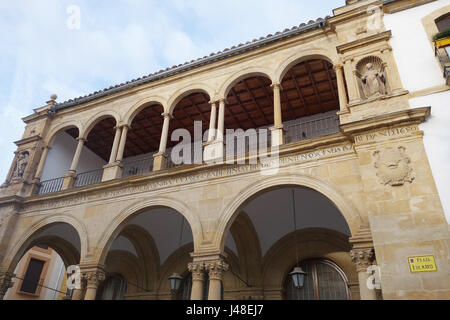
x=30 y=237
x=118 y=223
x=344 y=205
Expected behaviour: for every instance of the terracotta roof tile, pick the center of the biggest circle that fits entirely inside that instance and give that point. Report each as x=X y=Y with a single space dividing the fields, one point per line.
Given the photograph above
x=206 y=59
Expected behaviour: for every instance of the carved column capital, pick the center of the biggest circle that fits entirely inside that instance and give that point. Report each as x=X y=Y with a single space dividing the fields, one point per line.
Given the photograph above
x=363 y=258
x=94 y=278
x=6 y=282
x=216 y=269
x=167 y=115
x=197 y=269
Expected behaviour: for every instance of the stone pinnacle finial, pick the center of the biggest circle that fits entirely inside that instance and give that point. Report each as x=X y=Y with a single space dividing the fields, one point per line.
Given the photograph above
x=53 y=97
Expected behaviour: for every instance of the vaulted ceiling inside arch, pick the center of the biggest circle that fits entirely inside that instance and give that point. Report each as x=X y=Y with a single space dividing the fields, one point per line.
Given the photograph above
x=272 y=214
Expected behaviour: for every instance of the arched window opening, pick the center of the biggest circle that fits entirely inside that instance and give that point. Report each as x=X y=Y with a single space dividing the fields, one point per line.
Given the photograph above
x=192 y=109
x=143 y=141
x=310 y=100
x=324 y=280
x=58 y=159
x=443 y=23
x=95 y=153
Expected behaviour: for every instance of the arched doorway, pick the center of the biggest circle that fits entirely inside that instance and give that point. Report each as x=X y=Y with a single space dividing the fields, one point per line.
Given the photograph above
x=278 y=225
x=40 y=265
x=146 y=249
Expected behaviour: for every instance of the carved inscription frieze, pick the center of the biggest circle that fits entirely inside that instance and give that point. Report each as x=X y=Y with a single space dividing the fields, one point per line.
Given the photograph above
x=166 y=182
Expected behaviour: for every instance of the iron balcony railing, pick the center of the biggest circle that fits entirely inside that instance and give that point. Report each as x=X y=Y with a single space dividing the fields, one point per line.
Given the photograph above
x=295 y=130
x=88 y=178
x=137 y=167
x=50 y=186
x=443 y=55
x=303 y=130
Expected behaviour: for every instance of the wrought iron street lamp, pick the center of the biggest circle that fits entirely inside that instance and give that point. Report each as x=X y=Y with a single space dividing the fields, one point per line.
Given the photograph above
x=175 y=282
x=297 y=275
x=176 y=279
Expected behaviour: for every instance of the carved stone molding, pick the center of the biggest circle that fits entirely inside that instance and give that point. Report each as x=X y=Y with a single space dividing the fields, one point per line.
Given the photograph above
x=363 y=258
x=94 y=278
x=197 y=269
x=216 y=269
x=393 y=166
x=6 y=282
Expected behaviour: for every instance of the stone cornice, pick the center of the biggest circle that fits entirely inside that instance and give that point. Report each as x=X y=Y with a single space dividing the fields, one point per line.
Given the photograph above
x=357 y=44
x=347 y=13
x=11 y=200
x=410 y=116
x=28 y=140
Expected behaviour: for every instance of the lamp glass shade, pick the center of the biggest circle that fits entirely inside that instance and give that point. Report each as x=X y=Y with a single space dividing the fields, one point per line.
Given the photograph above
x=175 y=282
x=298 y=277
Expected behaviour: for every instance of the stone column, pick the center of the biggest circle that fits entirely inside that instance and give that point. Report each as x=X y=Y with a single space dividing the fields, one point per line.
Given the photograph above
x=221 y=121
x=198 y=278
x=69 y=179
x=5 y=283
x=40 y=167
x=393 y=77
x=214 y=149
x=341 y=88
x=352 y=85
x=77 y=294
x=112 y=158
x=93 y=280
x=212 y=122
x=123 y=141
x=160 y=158
x=277 y=129
x=113 y=170
x=363 y=258
x=77 y=155
x=216 y=270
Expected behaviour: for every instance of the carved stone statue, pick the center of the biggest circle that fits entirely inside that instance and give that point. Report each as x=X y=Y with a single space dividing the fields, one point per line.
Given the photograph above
x=393 y=166
x=373 y=82
x=20 y=166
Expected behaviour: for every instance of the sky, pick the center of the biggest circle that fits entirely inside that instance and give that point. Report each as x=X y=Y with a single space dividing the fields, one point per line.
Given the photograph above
x=46 y=49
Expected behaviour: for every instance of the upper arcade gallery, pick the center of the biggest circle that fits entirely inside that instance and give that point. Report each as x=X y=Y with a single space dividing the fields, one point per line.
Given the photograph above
x=308 y=101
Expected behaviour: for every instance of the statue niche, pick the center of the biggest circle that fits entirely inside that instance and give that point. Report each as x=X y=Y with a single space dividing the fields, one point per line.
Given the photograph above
x=20 y=166
x=371 y=76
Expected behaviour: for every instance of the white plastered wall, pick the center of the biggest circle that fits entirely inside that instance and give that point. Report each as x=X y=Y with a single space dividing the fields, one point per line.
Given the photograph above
x=61 y=155
x=420 y=70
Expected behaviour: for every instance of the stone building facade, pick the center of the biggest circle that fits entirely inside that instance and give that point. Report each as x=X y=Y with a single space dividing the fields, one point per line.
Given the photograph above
x=349 y=180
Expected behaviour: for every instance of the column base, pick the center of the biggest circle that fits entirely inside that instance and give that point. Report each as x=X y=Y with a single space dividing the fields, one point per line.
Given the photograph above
x=277 y=135
x=69 y=180
x=112 y=171
x=159 y=161
x=213 y=152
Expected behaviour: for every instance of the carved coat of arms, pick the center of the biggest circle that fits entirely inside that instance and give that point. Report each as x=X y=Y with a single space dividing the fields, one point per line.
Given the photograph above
x=394 y=166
